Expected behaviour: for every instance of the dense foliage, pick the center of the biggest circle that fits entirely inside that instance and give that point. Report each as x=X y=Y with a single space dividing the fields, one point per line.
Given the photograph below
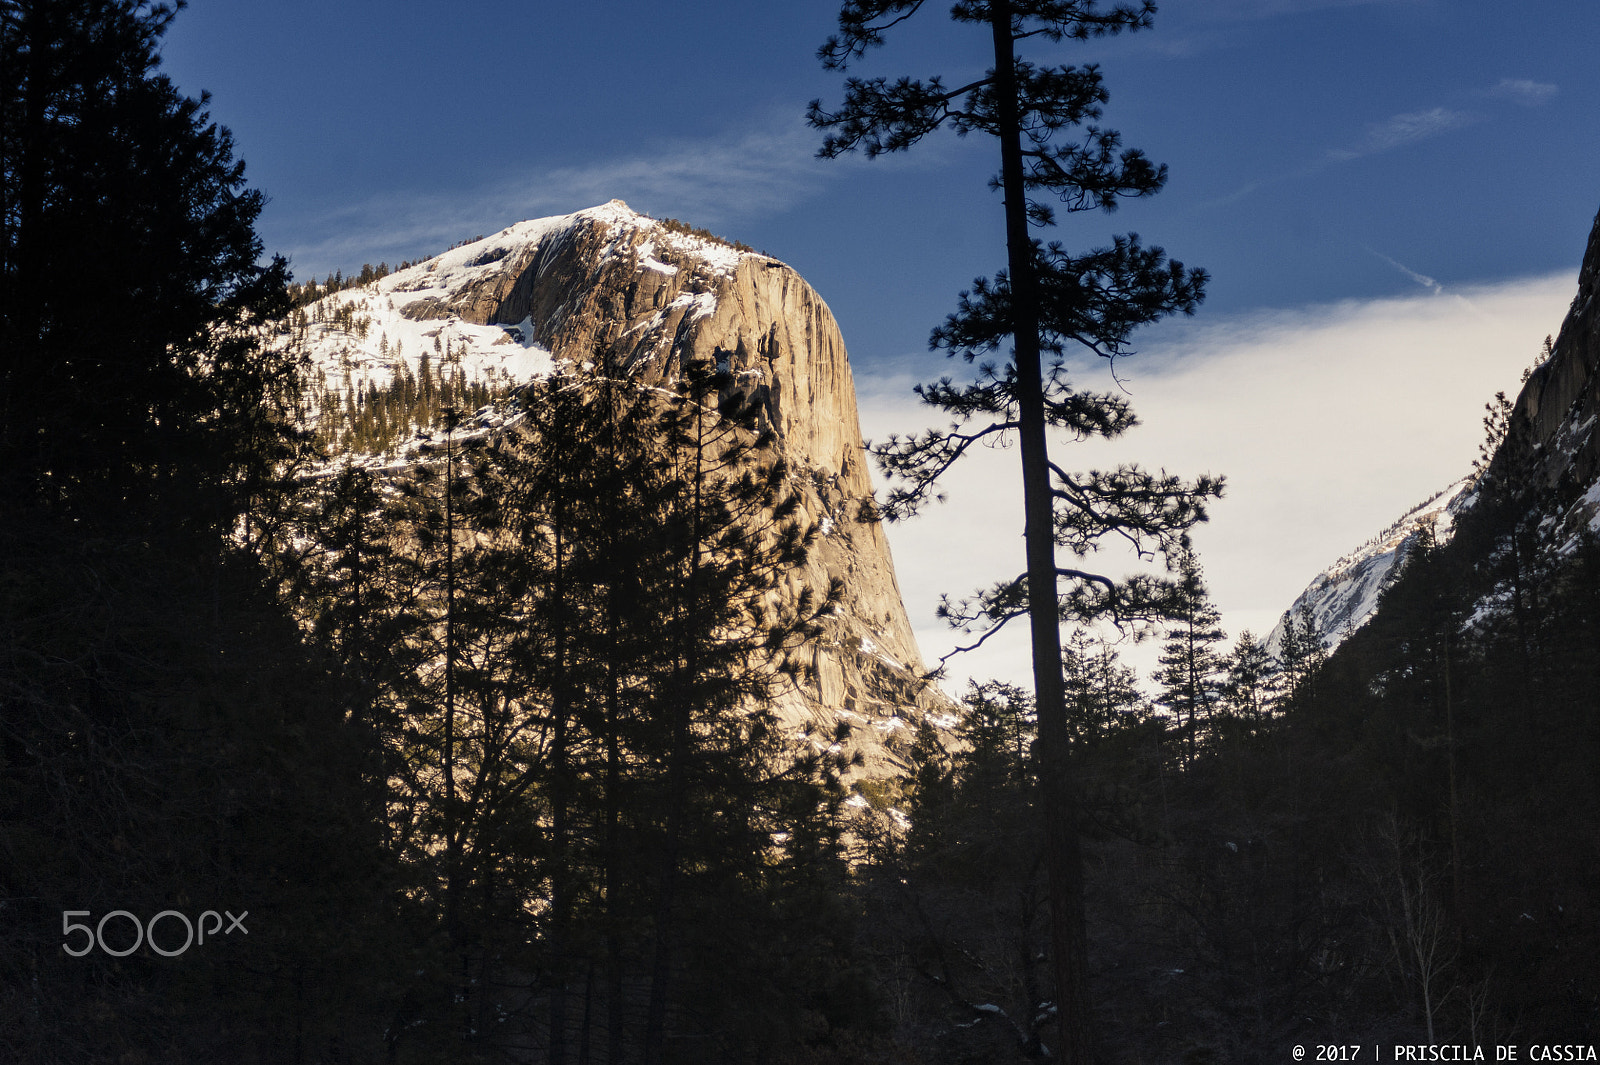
x=167 y=741
x=566 y=643
x=484 y=758
x=132 y=285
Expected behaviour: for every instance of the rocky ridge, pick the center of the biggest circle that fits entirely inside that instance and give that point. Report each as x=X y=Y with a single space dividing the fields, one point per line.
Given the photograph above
x=1550 y=455
x=613 y=292
x=1551 y=443
x=1345 y=595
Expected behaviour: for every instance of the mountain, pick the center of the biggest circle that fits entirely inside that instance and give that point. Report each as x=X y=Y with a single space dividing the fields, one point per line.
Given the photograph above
x=610 y=291
x=1547 y=466
x=1444 y=756
x=1345 y=595
x=1551 y=448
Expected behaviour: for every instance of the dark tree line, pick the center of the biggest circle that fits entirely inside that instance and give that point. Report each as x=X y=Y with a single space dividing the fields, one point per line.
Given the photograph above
x=133 y=284
x=483 y=755
x=1391 y=844
x=497 y=777
x=166 y=740
x=566 y=643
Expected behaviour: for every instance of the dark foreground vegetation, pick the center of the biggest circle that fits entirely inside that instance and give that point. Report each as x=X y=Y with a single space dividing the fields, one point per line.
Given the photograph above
x=475 y=764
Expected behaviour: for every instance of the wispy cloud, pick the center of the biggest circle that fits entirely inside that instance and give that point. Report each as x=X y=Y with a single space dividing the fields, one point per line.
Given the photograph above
x=1402 y=129
x=1216 y=24
x=1524 y=91
x=1231 y=198
x=710 y=182
x=1422 y=279
x=1395 y=132
x=1327 y=421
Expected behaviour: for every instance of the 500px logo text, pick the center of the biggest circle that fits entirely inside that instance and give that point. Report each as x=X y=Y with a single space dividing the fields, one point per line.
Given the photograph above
x=146 y=932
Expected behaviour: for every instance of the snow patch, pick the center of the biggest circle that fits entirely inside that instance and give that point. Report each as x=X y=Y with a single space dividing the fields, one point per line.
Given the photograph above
x=361 y=338
x=1345 y=595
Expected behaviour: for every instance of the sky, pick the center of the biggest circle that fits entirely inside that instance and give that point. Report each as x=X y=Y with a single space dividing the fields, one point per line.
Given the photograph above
x=1391 y=197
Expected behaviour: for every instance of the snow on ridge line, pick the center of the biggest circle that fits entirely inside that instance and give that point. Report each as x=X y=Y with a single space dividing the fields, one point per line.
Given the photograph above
x=362 y=339
x=1438 y=509
x=1344 y=597
x=462 y=263
x=368 y=351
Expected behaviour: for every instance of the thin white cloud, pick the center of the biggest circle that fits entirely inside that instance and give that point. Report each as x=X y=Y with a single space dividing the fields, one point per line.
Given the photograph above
x=1402 y=129
x=709 y=182
x=1216 y=24
x=1524 y=91
x=1397 y=131
x=1329 y=422
x=1422 y=279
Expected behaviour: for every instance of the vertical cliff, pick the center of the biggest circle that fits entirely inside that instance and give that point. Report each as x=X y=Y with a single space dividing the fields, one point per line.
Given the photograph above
x=1552 y=440
x=612 y=292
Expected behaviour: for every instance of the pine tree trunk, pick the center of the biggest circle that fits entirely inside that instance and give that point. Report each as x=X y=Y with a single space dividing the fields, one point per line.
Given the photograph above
x=560 y=895
x=612 y=888
x=613 y=885
x=677 y=790
x=1063 y=857
x=453 y=827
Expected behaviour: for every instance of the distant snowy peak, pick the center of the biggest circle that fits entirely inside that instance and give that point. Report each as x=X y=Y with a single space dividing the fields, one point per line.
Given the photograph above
x=1345 y=595
x=647 y=243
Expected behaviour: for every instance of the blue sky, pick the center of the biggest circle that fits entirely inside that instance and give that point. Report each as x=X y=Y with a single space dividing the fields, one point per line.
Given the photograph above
x=1349 y=171
x=1307 y=139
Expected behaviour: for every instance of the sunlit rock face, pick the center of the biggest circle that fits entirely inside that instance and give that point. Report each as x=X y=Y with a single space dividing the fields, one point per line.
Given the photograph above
x=610 y=291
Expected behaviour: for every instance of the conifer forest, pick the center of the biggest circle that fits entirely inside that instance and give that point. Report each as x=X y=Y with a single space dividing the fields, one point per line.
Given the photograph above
x=439 y=716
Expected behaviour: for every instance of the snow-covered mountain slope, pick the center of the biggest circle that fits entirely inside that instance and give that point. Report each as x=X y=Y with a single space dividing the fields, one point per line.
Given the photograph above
x=609 y=291
x=1546 y=469
x=1345 y=595
x=445 y=317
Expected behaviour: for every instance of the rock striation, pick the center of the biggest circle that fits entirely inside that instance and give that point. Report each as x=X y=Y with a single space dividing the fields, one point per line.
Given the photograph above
x=1552 y=439
x=611 y=291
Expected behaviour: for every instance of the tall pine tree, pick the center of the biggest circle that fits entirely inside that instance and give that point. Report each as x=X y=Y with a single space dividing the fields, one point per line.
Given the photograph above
x=585 y=620
x=1045 y=301
x=155 y=396
x=1248 y=690
x=1192 y=672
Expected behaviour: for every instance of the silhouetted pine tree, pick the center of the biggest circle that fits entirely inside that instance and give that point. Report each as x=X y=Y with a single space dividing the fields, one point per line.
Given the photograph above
x=1247 y=693
x=592 y=804
x=1192 y=672
x=959 y=912
x=1102 y=694
x=169 y=741
x=1301 y=653
x=1045 y=300
x=156 y=395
